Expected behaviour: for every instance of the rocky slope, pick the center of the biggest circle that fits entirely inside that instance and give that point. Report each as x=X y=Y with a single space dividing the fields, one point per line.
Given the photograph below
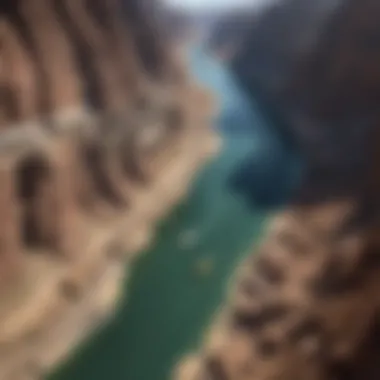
x=101 y=133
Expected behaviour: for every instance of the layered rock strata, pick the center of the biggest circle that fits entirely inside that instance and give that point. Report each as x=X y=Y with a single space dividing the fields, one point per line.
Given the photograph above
x=95 y=148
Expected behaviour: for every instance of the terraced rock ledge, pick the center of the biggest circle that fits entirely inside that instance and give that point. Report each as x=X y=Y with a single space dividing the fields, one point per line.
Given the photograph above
x=84 y=179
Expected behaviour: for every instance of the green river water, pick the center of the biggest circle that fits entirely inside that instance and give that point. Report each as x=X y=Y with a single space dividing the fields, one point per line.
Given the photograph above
x=175 y=288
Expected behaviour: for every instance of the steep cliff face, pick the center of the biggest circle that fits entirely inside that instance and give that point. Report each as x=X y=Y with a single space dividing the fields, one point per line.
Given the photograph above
x=313 y=64
x=272 y=46
x=101 y=133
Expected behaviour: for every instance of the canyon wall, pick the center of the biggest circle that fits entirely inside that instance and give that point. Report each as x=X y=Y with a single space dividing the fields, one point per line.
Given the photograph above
x=101 y=133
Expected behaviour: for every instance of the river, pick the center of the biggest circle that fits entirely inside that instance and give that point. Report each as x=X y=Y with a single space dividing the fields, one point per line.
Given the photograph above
x=177 y=285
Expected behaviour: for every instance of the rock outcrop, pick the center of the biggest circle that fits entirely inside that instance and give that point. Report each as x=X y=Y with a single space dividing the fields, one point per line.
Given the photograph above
x=101 y=133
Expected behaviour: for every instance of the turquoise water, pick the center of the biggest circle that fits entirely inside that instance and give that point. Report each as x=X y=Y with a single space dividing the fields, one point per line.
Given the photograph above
x=239 y=114
x=175 y=289
x=267 y=177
